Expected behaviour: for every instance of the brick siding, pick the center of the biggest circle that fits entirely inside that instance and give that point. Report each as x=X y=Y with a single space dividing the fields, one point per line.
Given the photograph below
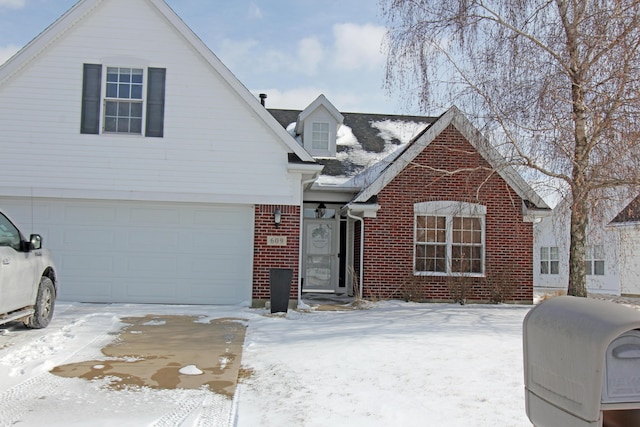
x=388 y=254
x=267 y=257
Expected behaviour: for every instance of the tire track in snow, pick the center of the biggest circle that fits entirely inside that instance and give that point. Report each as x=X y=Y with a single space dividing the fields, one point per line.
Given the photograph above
x=188 y=404
x=216 y=411
x=26 y=396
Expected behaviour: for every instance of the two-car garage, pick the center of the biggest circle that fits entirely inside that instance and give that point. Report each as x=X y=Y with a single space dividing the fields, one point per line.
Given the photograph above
x=143 y=252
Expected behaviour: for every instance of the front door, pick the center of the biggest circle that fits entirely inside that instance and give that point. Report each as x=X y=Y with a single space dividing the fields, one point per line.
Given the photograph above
x=320 y=255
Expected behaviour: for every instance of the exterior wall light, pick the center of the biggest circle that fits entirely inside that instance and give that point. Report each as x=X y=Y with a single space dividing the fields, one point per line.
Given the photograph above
x=277 y=217
x=321 y=210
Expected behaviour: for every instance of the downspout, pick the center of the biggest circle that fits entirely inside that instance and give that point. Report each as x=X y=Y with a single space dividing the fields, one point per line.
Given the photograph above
x=301 y=234
x=357 y=218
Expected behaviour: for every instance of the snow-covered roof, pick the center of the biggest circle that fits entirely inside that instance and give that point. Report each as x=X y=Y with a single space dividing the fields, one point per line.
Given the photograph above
x=365 y=145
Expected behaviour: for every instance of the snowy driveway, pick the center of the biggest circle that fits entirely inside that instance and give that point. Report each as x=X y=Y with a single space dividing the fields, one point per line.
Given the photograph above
x=393 y=364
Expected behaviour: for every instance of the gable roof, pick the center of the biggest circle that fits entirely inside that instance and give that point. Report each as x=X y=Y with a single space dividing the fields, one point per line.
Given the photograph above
x=85 y=7
x=320 y=101
x=630 y=214
x=454 y=117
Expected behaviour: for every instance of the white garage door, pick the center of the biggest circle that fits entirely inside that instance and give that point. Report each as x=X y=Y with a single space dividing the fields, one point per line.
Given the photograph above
x=139 y=252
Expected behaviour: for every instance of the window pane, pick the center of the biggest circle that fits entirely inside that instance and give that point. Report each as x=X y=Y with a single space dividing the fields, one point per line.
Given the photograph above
x=598 y=252
x=136 y=109
x=598 y=268
x=110 y=124
x=544 y=253
x=112 y=90
x=123 y=91
x=421 y=221
x=125 y=75
x=123 y=109
x=421 y=235
x=555 y=267
x=587 y=267
x=112 y=74
x=553 y=253
x=136 y=76
x=136 y=92
x=123 y=125
x=544 y=267
x=136 y=126
x=111 y=108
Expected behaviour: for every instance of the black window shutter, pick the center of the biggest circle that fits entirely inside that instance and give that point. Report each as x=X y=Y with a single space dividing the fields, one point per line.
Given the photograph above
x=155 y=102
x=91 y=86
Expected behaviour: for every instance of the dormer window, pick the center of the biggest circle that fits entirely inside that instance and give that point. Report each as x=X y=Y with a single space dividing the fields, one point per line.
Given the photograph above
x=320 y=136
x=317 y=126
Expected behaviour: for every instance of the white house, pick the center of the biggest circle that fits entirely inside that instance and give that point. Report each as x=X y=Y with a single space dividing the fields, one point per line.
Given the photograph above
x=141 y=159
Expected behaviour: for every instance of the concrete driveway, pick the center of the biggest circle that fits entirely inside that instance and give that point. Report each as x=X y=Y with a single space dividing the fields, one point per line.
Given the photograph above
x=169 y=352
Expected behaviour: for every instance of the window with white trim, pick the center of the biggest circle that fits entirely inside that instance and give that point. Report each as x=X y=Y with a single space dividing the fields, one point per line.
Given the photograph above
x=123 y=100
x=549 y=260
x=449 y=238
x=594 y=260
x=128 y=100
x=320 y=136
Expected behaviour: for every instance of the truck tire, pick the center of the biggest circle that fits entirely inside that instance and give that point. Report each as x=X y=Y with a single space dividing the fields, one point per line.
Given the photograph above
x=44 y=305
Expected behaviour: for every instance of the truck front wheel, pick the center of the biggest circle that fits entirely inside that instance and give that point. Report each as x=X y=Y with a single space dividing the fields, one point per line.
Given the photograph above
x=44 y=305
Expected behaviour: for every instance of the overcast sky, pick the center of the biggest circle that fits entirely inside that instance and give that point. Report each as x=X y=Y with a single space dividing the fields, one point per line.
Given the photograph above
x=293 y=50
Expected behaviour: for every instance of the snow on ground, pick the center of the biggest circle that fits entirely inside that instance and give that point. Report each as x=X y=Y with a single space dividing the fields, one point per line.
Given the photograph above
x=394 y=363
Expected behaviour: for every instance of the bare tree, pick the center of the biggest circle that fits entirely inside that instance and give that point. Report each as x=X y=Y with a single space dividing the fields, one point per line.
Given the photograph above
x=557 y=80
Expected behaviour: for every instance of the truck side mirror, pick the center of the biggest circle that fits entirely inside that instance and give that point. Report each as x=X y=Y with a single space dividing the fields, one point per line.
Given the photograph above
x=35 y=242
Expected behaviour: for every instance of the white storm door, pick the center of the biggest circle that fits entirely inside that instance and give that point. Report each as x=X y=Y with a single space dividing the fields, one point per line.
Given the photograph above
x=320 y=269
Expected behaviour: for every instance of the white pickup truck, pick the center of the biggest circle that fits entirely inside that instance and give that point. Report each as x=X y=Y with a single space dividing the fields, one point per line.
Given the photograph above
x=28 y=283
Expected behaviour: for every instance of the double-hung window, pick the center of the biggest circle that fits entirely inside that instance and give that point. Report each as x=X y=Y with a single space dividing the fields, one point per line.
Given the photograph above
x=594 y=260
x=549 y=260
x=449 y=238
x=123 y=100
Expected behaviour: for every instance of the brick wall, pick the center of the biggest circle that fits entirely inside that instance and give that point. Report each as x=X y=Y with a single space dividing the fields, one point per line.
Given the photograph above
x=266 y=257
x=388 y=259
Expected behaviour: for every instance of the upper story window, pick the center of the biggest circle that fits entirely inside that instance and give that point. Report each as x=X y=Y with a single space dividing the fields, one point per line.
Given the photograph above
x=549 y=260
x=594 y=262
x=320 y=136
x=126 y=101
x=123 y=101
x=449 y=238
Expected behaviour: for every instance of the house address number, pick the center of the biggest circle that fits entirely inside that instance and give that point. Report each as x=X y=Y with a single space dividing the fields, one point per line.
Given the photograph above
x=276 y=240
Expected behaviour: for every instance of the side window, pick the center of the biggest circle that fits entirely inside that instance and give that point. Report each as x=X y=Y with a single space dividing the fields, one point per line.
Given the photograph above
x=594 y=264
x=549 y=260
x=9 y=234
x=133 y=102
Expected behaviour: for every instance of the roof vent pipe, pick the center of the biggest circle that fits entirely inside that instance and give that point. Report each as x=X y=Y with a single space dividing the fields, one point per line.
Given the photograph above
x=263 y=96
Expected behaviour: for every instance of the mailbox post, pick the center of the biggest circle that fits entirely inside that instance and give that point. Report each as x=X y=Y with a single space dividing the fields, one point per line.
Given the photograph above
x=582 y=364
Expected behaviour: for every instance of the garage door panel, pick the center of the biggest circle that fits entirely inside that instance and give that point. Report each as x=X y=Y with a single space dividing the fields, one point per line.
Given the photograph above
x=123 y=251
x=87 y=262
x=93 y=215
x=153 y=240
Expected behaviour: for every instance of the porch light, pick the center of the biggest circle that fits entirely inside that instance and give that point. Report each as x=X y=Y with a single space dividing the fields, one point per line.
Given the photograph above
x=277 y=217
x=321 y=210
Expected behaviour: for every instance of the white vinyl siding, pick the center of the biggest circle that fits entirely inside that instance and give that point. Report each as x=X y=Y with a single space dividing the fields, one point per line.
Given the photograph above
x=215 y=149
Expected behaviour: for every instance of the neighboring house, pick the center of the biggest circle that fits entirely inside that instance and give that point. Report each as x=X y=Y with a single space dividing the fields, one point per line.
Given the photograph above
x=156 y=177
x=613 y=248
x=627 y=226
x=551 y=254
x=412 y=207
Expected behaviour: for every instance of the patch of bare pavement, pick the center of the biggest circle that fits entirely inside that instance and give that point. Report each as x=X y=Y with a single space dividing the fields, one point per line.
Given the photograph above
x=168 y=352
